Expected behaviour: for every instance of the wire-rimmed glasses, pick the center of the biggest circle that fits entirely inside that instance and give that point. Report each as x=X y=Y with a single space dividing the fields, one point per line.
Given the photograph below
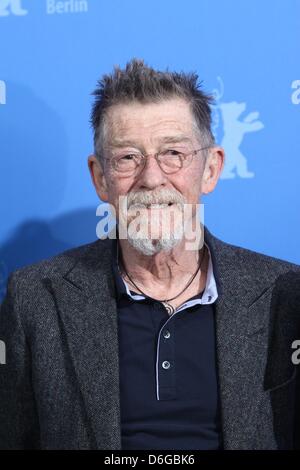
x=170 y=161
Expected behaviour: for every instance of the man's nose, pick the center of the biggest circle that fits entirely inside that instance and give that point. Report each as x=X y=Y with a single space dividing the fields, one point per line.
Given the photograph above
x=151 y=176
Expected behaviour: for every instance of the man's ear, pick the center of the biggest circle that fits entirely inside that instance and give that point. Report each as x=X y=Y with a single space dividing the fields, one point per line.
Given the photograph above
x=212 y=169
x=98 y=177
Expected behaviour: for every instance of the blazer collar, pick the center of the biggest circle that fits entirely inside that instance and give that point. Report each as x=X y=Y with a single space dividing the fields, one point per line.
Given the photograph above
x=242 y=320
x=85 y=301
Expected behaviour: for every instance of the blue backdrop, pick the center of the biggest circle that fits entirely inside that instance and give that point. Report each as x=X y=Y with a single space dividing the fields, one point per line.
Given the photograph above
x=53 y=52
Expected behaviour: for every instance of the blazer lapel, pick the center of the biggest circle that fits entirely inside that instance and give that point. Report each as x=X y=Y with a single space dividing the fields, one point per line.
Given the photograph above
x=87 y=308
x=242 y=318
x=281 y=374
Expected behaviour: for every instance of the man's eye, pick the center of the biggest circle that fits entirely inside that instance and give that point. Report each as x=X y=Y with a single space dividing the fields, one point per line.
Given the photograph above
x=172 y=152
x=127 y=157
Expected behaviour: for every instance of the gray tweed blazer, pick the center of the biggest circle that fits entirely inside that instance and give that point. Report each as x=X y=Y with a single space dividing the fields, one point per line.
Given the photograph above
x=59 y=388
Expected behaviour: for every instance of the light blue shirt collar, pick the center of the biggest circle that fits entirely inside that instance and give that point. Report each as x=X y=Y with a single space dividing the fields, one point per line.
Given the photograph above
x=209 y=295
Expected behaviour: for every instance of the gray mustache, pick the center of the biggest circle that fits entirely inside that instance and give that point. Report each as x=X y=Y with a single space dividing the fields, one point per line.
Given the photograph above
x=146 y=198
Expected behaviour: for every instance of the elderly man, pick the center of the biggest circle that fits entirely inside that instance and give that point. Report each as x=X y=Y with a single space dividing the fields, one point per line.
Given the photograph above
x=163 y=336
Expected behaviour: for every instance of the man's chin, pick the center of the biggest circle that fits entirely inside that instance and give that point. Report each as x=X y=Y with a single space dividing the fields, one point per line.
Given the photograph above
x=149 y=247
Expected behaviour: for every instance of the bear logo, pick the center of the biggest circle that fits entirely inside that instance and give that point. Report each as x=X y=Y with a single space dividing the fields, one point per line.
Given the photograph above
x=234 y=129
x=2 y=92
x=12 y=6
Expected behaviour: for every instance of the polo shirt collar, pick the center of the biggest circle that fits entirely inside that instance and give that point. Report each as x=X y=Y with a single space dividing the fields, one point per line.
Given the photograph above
x=209 y=295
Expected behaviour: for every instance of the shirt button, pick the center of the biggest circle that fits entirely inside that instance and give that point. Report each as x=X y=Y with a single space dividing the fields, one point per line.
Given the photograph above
x=166 y=365
x=166 y=334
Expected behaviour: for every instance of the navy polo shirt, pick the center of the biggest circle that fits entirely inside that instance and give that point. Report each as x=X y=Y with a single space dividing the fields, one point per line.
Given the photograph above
x=168 y=378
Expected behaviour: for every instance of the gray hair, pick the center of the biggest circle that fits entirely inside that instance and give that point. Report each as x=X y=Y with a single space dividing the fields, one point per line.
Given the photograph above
x=138 y=82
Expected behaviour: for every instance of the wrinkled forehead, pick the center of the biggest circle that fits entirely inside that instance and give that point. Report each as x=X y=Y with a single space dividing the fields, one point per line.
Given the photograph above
x=133 y=122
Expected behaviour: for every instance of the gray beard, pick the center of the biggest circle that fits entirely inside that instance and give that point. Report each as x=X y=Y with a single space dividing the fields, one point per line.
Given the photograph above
x=150 y=247
x=142 y=241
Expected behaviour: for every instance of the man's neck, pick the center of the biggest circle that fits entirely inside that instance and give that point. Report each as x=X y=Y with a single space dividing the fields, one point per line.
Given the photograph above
x=163 y=270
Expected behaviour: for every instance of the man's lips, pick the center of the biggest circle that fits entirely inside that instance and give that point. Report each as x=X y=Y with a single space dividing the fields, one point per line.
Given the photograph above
x=158 y=206
x=151 y=206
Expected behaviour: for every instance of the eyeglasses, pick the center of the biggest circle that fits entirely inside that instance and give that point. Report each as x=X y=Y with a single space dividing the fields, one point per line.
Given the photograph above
x=170 y=161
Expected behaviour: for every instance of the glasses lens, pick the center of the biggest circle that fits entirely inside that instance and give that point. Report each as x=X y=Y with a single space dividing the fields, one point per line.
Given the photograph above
x=127 y=163
x=172 y=160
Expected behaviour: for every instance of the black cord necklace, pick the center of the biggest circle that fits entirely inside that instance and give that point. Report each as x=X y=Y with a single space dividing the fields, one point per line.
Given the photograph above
x=170 y=309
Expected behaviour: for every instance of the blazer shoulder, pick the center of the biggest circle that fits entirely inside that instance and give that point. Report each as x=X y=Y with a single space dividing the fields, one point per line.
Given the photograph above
x=255 y=257
x=246 y=260
x=60 y=264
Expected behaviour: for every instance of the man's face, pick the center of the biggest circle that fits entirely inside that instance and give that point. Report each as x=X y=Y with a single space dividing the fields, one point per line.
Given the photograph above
x=148 y=129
